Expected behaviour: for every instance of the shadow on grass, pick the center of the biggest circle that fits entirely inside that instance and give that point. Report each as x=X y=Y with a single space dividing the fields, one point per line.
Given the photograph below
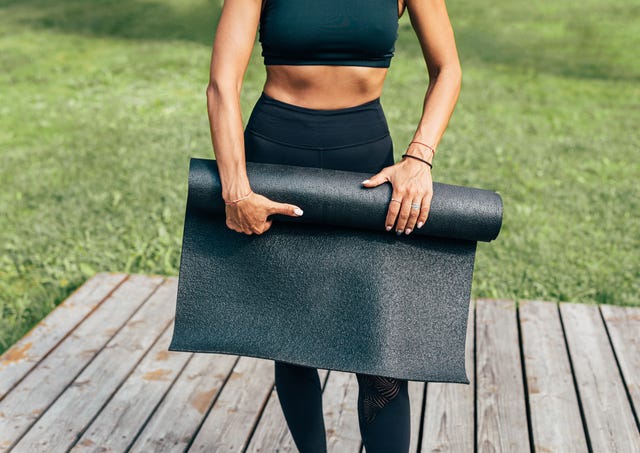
x=559 y=43
x=186 y=20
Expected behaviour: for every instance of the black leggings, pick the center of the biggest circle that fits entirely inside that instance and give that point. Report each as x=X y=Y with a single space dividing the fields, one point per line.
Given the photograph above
x=354 y=139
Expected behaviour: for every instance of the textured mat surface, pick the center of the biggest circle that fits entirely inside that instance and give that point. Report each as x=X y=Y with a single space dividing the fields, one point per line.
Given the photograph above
x=332 y=288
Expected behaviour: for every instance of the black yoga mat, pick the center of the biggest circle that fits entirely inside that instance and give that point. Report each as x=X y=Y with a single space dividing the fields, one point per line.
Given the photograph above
x=331 y=289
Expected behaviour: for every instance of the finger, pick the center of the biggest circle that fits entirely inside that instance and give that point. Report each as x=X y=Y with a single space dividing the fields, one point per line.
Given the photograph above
x=376 y=179
x=392 y=212
x=246 y=224
x=246 y=227
x=424 y=210
x=265 y=226
x=285 y=208
x=403 y=215
x=413 y=216
x=232 y=225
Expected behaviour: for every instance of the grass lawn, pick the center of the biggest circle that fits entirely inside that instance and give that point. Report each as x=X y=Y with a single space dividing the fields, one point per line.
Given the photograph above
x=103 y=103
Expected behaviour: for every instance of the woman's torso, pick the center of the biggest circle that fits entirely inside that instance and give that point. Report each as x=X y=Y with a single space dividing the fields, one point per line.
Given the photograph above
x=311 y=33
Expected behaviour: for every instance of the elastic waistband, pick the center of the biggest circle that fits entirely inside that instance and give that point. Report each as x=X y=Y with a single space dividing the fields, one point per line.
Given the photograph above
x=282 y=122
x=265 y=98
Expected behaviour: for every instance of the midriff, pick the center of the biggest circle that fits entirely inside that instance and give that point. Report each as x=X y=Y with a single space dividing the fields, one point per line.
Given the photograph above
x=324 y=87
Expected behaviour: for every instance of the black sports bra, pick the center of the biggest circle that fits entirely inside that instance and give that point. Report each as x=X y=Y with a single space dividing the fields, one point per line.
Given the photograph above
x=329 y=32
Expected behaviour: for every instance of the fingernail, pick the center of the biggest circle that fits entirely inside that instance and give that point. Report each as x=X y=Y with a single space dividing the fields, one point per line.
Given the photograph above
x=420 y=224
x=407 y=231
x=388 y=227
x=298 y=211
x=365 y=181
x=398 y=232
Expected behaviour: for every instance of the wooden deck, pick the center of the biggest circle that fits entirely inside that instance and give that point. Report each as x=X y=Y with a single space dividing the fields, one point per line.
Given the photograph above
x=95 y=375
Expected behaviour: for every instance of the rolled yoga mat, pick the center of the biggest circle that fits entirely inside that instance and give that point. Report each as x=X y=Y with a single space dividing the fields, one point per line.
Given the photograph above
x=332 y=288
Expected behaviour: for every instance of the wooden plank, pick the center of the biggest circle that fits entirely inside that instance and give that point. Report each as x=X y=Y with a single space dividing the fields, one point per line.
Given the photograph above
x=174 y=423
x=25 y=354
x=118 y=423
x=416 y=401
x=552 y=395
x=63 y=421
x=234 y=414
x=22 y=406
x=501 y=410
x=448 y=420
x=606 y=408
x=340 y=404
x=272 y=433
x=623 y=324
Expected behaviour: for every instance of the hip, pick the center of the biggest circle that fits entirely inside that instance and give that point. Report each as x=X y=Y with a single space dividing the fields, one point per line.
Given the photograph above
x=353 y=138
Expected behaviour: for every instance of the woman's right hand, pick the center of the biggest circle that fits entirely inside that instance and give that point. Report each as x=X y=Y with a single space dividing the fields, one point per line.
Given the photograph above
x=250 y=214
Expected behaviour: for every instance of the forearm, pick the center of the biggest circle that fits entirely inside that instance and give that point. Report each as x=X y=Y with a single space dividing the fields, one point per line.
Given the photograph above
x=439 y=103
x=227 y=136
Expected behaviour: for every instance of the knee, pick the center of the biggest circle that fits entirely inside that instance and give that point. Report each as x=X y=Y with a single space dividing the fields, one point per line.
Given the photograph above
x=377 y=392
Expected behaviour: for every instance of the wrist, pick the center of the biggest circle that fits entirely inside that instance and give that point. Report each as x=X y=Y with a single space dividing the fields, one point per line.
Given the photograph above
x=236 y=200
x=417 y=161
x=235 y=193
x=421 y=150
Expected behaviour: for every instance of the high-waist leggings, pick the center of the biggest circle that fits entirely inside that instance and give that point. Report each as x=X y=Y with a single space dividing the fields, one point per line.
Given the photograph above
x=356 y=139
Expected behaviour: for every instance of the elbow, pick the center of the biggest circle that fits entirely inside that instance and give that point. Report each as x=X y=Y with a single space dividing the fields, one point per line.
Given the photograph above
x=456 y=76
x=217 y=89
x=210 y=90
x=213 y=90
x=451 y=73
x=456 y=70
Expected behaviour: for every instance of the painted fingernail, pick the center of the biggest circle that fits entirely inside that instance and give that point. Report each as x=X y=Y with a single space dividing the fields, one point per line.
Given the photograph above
x=388 y=227
x=398 y=232
x=407 y=231
x=298 y=211
x=420 y=224
x=365 y=181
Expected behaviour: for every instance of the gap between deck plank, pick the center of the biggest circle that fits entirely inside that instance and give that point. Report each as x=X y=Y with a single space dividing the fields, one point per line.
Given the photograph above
x=623 y=326
x=552 y=395
x=118 y=423
x=501 y=413
x=610 y=422
x=448 y=424
x=232 y=417
x=65 y=420
x=26 y=402
x=27 y=352
x=181 y=413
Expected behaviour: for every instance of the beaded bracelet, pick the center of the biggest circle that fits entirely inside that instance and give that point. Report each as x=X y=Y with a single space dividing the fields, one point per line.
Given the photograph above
x=419 y=158
x=239 y=199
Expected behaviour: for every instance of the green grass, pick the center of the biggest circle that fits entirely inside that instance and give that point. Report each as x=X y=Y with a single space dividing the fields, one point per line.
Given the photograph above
x=103 y=104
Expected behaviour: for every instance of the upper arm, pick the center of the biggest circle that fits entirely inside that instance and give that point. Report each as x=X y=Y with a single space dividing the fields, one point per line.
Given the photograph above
x=430 y=20
x=234 y=40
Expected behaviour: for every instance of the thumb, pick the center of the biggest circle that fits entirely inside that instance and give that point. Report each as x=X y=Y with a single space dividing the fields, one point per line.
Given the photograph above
x=375 y=180
x=286 y=209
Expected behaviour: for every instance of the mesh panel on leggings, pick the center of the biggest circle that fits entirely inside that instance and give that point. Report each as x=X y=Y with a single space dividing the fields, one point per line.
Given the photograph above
x=377 y=391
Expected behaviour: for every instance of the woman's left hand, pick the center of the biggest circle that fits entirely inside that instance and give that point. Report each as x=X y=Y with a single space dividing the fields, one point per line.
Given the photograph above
x=412 y=184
